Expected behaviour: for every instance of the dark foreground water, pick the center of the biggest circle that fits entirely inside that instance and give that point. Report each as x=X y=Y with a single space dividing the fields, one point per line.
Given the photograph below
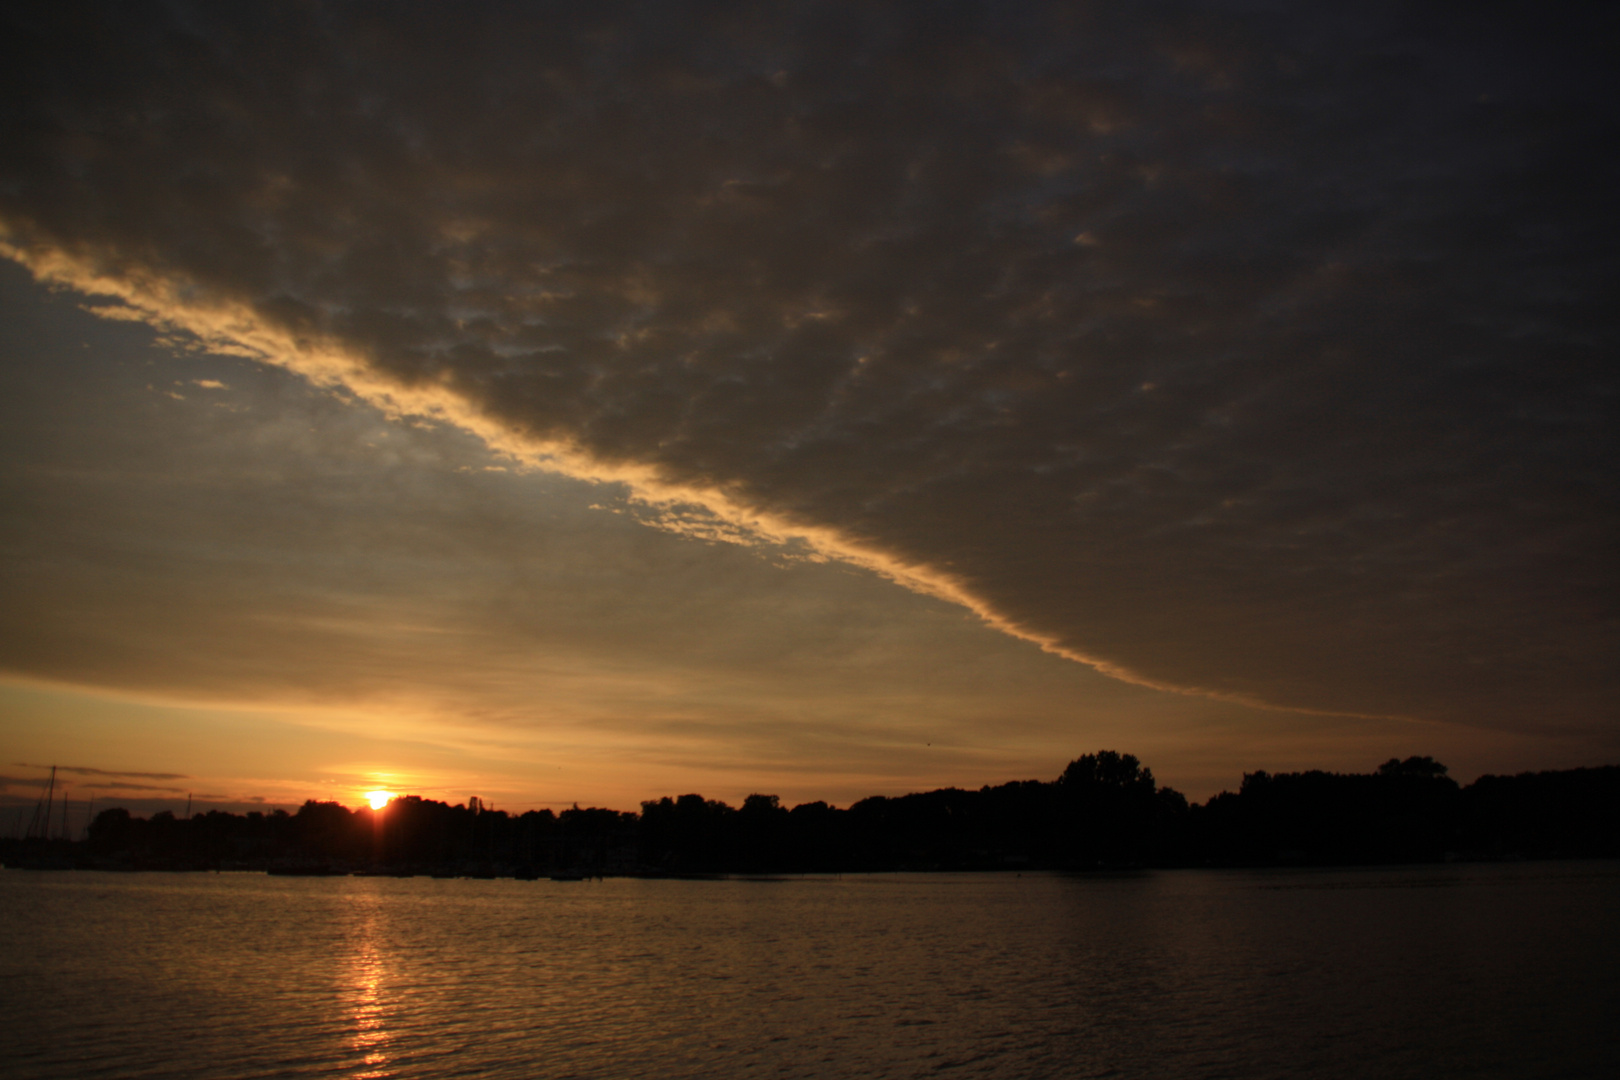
x=1510 y=971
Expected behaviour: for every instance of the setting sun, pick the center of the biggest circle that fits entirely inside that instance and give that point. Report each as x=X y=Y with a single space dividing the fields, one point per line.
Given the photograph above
x=379 y=799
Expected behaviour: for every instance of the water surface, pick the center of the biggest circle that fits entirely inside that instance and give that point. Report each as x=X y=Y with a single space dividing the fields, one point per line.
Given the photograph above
x=1510 y=971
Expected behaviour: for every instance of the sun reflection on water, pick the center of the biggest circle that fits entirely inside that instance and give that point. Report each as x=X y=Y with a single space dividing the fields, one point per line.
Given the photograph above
x=368 y=1013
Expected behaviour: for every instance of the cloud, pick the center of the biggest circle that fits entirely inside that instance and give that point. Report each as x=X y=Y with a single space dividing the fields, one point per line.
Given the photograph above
x=1255 y=353
x=85 y=770
x=127 y=785
x=374 y=579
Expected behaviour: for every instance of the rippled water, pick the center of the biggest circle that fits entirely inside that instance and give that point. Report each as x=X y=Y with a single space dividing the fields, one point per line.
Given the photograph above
x=1507 y=971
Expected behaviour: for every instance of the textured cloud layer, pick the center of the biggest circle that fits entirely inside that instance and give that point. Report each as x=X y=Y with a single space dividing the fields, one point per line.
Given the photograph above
x=1233 y=348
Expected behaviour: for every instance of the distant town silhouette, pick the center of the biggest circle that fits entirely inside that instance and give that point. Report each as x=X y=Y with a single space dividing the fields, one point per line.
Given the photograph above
x=1105 y=812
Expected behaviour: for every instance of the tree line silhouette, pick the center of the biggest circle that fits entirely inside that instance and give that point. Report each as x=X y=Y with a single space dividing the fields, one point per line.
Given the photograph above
x=1105 y=811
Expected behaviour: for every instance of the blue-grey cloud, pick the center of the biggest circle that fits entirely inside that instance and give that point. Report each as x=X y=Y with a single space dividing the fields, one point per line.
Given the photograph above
x=1234 y=346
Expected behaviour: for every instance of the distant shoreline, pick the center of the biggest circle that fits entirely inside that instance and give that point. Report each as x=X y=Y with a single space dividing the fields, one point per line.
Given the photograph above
x=27 y=867
x=1105 y=813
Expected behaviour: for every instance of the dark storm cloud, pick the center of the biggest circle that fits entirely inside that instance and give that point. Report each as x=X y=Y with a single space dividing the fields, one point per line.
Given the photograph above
x=1242 y=348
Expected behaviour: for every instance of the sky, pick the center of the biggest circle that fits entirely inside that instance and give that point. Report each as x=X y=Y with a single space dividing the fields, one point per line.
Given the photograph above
x=586 y=403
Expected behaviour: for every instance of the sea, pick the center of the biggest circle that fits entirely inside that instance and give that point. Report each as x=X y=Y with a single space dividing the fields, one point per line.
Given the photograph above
x=1482 y=970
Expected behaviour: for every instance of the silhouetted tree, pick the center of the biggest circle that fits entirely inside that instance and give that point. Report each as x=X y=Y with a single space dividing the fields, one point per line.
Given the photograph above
x=1109 y=810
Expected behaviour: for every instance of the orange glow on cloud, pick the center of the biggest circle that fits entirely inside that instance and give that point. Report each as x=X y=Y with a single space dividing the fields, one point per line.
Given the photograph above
x=173 y=305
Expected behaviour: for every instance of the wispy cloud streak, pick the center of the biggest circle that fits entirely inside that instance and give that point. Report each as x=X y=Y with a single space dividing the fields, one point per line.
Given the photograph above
x=85 y=770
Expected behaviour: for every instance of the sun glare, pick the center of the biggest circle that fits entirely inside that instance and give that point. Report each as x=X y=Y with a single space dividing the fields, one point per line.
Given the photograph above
x=379 y=799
